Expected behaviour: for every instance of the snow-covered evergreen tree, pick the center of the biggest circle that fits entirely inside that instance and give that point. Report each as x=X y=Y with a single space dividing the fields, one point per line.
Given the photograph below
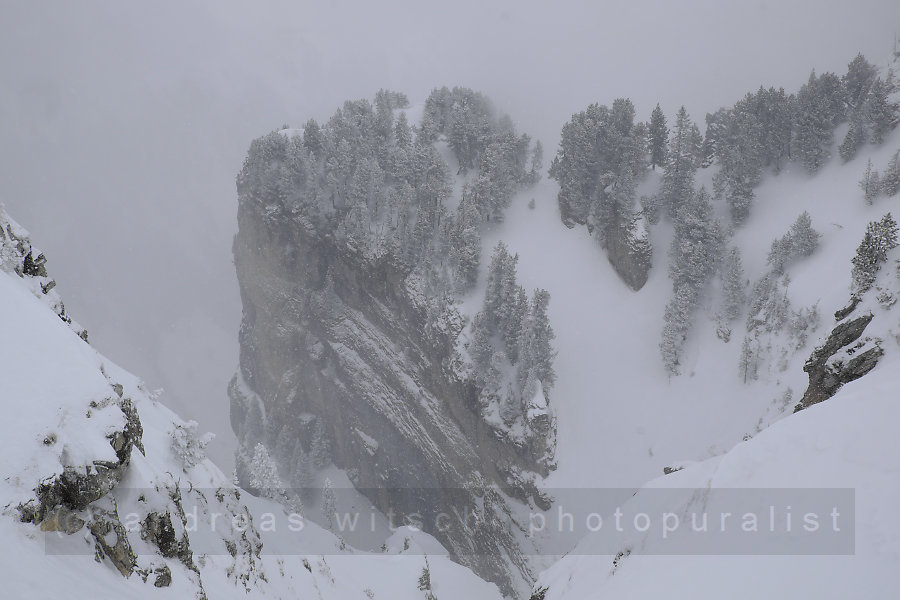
x=890 y=181
x=733 y=285
x=465 y=244
x=693 y=255
x=870 y=184
x=804 y=239
x=855 y=138
x=696 y=243
x=678 y=176
x=263 y=473
x=314 y=139
x=602 y=154
x=818 y=107
x=512 y=313
x=677 y=319
x=858 y=79
x=537 y=162
x=879 y=239
x=881 y=113
x=749 y=360
x=188 y=445
x=800 y=240
x=658 y=137
x=536 y=352
x=505 y=301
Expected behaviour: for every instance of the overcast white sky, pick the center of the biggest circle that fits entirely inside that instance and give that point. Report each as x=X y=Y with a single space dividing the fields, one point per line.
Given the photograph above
x=123 y=124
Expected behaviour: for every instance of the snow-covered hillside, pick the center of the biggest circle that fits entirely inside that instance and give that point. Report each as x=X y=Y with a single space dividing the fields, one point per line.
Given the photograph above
x=848 y=441
x=621 y=419
x=88 y=459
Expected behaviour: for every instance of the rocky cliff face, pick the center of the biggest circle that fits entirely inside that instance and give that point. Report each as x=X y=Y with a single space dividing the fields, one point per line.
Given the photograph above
x=333 y=340
x=627 y=246
x=859 y=338
x=843 y=358
x=349 y=352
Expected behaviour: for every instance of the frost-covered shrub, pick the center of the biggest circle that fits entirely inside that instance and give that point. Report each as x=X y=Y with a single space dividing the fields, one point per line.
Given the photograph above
x=188 y=446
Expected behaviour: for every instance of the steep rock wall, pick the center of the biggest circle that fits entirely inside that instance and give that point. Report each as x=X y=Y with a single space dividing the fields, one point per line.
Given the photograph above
x=333 y=339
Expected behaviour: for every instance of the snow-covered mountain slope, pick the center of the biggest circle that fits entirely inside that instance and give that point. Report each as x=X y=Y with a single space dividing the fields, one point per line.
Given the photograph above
x=621 y=419
x=90 y=475
x=849 y=441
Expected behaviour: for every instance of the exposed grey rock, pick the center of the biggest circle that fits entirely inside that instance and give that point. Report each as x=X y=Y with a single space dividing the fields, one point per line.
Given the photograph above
x=63 y=520
x=539 y=593
x=631 y=263
x=111 y=540
x=628 y=255
x=163 y=576
x=843 y=313
x=157 y=528
x=77 y=487
x=843 y=358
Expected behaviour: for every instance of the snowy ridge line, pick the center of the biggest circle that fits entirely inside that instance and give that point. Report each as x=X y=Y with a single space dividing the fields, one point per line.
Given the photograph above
x=18 y=255
x=134 y=514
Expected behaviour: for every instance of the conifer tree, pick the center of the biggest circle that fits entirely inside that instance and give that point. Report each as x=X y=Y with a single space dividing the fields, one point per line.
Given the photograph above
x=402 y=132
x=263 y=473
x=814 y=119
x=494 y=292
x=513 y=312
x=881 y=114
x=678 y=176
x=188 y=445
x=888 y=233
x=695 y=245
x=879 y=239
x=733 y=285
x=481 y=349
x=658 y=137
x=804 y=239
x=314 y=139
x=749 y=360
x=855 y=138
x=465 y=243
x=537 y=162
x=890 y=181
x=542 y=348
x=535 y=353
x=677 y=320
x=693 y=258
x=800 y=240
x=870 y=184
x=695 y=141
x=858 y=79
